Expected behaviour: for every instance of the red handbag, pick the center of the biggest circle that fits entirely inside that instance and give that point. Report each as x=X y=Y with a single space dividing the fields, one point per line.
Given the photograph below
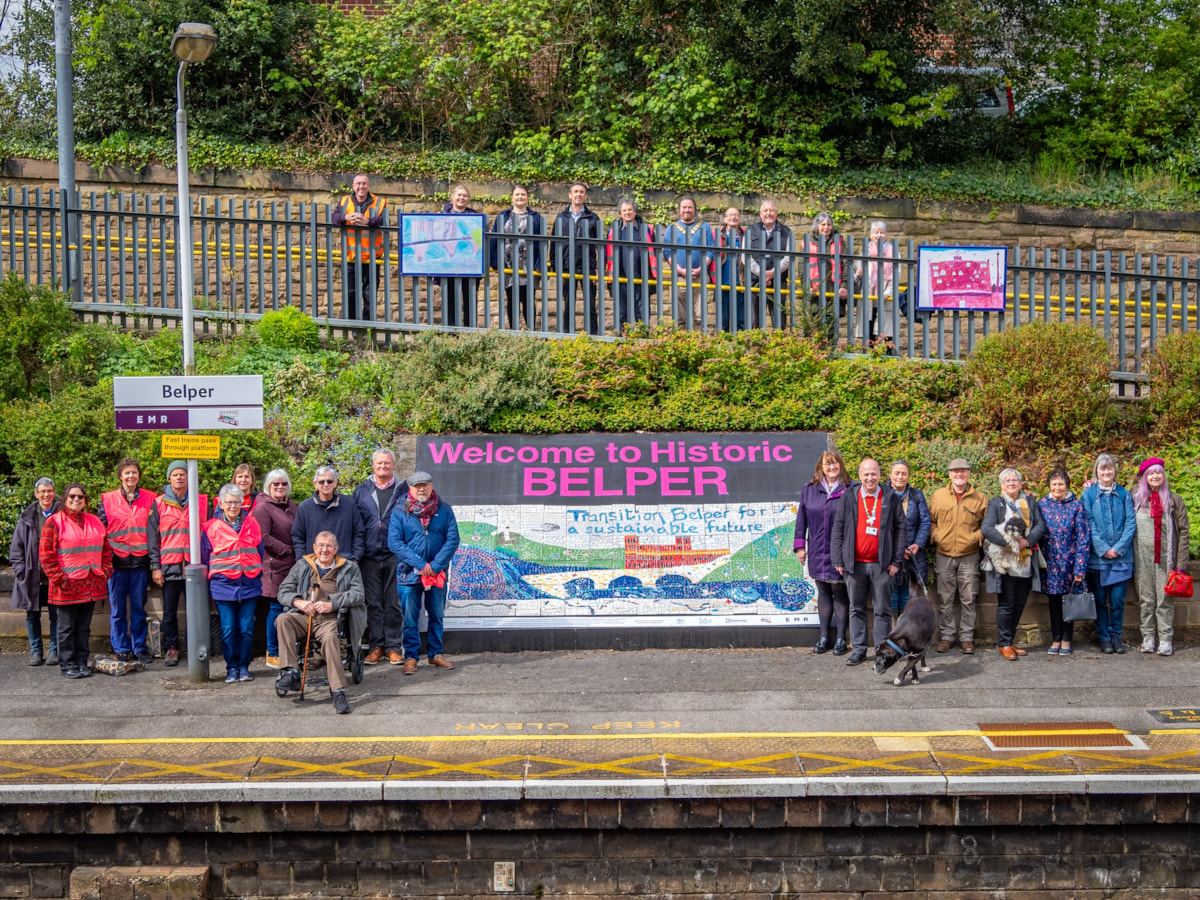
x=1179 y=584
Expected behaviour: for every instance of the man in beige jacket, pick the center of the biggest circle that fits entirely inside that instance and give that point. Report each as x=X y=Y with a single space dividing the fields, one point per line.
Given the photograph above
x=956 y=513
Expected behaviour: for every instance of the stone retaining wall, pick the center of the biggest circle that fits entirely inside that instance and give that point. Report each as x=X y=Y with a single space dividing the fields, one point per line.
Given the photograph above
x=1028 y=846
x=1025 y=225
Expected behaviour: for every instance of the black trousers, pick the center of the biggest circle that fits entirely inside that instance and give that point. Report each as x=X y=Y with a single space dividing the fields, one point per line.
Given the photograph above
x=74 y=633
x=172 y=591
x=1010 y=604
x=359 y=280
x=385 y=615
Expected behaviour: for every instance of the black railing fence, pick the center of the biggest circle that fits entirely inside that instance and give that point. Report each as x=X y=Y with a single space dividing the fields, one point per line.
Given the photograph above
x=119 y=256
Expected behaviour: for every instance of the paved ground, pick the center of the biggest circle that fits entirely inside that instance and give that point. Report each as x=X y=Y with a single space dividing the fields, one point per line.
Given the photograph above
x=581 y=722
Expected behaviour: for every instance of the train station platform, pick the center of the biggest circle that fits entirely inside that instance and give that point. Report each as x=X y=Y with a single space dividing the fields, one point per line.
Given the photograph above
x=606 y=774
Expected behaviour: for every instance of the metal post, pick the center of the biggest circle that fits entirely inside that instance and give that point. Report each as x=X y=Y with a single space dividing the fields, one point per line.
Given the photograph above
x=195 y=588
x=65 y=98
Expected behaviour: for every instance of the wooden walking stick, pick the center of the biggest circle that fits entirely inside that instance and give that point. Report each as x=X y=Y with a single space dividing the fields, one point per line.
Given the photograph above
x=312 y=598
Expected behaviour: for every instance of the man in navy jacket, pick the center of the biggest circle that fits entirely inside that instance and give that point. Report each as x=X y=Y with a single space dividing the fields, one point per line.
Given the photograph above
x=424 y=537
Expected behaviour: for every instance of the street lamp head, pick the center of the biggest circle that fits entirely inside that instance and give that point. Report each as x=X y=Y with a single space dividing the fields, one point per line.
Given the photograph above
x=193 y=42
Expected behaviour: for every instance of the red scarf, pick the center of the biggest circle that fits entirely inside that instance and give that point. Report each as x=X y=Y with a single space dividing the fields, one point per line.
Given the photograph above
x=423 y=511
x=1156 y=513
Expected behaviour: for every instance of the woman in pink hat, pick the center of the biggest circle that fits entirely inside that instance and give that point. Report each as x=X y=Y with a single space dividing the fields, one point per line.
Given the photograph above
x=1160 y=547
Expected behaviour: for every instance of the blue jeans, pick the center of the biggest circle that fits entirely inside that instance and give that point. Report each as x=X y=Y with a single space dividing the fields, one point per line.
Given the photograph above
x=237 y=631
x=33 y=629
x=273 y=613
x=1110 y=607
x=411 y=596
x=127 y=633
x=900 y=593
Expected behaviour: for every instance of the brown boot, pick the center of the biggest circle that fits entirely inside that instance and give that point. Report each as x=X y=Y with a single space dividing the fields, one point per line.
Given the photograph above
x=441 y=662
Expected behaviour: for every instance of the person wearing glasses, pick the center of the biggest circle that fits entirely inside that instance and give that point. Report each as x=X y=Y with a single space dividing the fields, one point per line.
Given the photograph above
x=275 y=513
x=231 y=547
x=171 y=553
x=31 y=589
x=328 y=510
x=77 y=561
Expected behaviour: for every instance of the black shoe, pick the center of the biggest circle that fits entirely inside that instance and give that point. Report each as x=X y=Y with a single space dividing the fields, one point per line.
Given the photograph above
x=126 y=657
x=822 y=646
x=857 y=658
x=52 y=659
x=76 y=672
x=840 y=648
x=1117 y=644
x=144 y=658
x=340 y=704
x=35 y=659
x=1106 y=647
x=85 y=672
x=288 y=680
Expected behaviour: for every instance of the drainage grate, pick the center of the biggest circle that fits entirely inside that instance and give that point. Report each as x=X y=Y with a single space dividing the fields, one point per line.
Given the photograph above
x=1055 y=735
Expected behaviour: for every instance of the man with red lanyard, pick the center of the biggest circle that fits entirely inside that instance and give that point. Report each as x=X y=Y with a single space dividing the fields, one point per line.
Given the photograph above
x=77 y=562
x=125 y=514
x=867 y=548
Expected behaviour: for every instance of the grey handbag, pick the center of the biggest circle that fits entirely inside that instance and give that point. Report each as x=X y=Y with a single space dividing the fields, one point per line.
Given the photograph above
x=1080 y=607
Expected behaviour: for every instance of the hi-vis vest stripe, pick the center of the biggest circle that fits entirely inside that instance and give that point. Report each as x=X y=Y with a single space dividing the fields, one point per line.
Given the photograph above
x=360 y=238
x=234 y=553
x=173 y=530
x=833 y=247
x=79 y=549
x=128 y=525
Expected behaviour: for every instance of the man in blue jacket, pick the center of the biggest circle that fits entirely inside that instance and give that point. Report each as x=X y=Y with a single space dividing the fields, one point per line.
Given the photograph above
x=375 y=499
x=424 y=537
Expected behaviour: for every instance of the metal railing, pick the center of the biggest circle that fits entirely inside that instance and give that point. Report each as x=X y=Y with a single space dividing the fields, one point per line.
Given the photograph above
x=119 y=258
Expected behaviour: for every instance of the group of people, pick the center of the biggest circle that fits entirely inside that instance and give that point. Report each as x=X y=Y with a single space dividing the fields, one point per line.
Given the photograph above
x=858 y=539
x=373 y=560
x=748 y=271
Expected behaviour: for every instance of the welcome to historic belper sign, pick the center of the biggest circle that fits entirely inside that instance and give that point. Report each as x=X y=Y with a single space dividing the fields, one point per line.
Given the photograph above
x=663 y=530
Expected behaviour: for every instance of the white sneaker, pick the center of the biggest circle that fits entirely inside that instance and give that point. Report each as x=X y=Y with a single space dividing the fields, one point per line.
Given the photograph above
x=1165 y=649
x=1148 y=644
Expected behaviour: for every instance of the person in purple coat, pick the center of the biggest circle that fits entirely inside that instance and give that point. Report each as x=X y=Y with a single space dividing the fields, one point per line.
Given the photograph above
x=1065 y=546
x=814 y=527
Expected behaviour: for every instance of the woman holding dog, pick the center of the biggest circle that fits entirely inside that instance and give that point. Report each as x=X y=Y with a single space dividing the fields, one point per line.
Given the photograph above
x=916 y=518
x=814 y=529
x=1110 y=515
x=1065 y=546
x=1161 y=548
x=1012 y=587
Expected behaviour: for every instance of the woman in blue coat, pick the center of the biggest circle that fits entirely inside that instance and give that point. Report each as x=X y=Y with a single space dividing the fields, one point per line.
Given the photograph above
x=917 y=521
x=1111 y=520
x=1065 y=545
x=814 y=528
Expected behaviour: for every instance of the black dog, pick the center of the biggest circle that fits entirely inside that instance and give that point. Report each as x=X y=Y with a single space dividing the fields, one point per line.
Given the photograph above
x=911 y=636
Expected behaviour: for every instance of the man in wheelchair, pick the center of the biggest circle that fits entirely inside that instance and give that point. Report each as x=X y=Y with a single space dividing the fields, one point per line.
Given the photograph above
x=318 y=588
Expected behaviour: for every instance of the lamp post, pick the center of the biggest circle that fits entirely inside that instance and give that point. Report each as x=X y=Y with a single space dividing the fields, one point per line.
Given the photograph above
x=192 y=43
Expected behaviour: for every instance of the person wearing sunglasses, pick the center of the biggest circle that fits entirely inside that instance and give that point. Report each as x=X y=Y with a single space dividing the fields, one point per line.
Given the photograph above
x=328 y=510
x=77 y=561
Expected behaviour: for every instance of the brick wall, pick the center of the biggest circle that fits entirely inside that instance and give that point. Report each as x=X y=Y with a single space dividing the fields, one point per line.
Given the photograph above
x=1033 y=846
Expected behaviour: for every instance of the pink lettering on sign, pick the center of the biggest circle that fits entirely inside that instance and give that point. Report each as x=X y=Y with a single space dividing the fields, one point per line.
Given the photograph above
x=640 y=481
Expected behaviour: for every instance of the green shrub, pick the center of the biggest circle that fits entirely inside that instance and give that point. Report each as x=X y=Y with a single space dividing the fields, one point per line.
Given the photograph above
x=458 y=382
x=1042 y=383
x=1174 y=369
x=36 y=319
x=288 y=328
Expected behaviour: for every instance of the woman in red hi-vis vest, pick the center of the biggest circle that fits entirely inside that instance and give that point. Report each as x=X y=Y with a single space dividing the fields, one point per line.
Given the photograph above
x=231 y=547
x=77 y=562
x=125 y=514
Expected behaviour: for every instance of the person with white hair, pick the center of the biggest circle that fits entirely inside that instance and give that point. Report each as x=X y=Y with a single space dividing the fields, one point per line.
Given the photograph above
x=231 y=547
x=328 y=510
x=31 y=588
x=275 y=513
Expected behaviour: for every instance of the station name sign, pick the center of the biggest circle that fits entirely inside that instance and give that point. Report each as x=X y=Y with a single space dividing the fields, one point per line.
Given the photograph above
x=172 y=403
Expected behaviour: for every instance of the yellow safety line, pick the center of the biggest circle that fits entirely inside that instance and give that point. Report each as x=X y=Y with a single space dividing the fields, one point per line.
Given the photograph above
x=591 y=736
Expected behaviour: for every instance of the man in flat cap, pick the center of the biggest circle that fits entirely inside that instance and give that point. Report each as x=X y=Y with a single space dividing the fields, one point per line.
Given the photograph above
x=424 y=537
x=956 y=514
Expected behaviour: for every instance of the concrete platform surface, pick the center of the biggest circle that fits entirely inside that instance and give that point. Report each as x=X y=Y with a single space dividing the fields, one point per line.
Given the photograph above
x=771 y=722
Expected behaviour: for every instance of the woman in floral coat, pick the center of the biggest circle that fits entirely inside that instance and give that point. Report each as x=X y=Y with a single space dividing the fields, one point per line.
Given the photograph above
x=1065 y=546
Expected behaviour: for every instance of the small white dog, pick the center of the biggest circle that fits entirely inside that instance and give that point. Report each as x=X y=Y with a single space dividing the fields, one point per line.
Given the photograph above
x=1005 y=559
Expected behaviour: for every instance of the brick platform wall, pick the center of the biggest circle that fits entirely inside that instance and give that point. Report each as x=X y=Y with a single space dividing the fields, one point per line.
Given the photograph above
x=1012 y=846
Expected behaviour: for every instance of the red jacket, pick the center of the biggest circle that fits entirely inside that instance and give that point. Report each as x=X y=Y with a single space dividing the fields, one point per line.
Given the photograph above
x=68 y=531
